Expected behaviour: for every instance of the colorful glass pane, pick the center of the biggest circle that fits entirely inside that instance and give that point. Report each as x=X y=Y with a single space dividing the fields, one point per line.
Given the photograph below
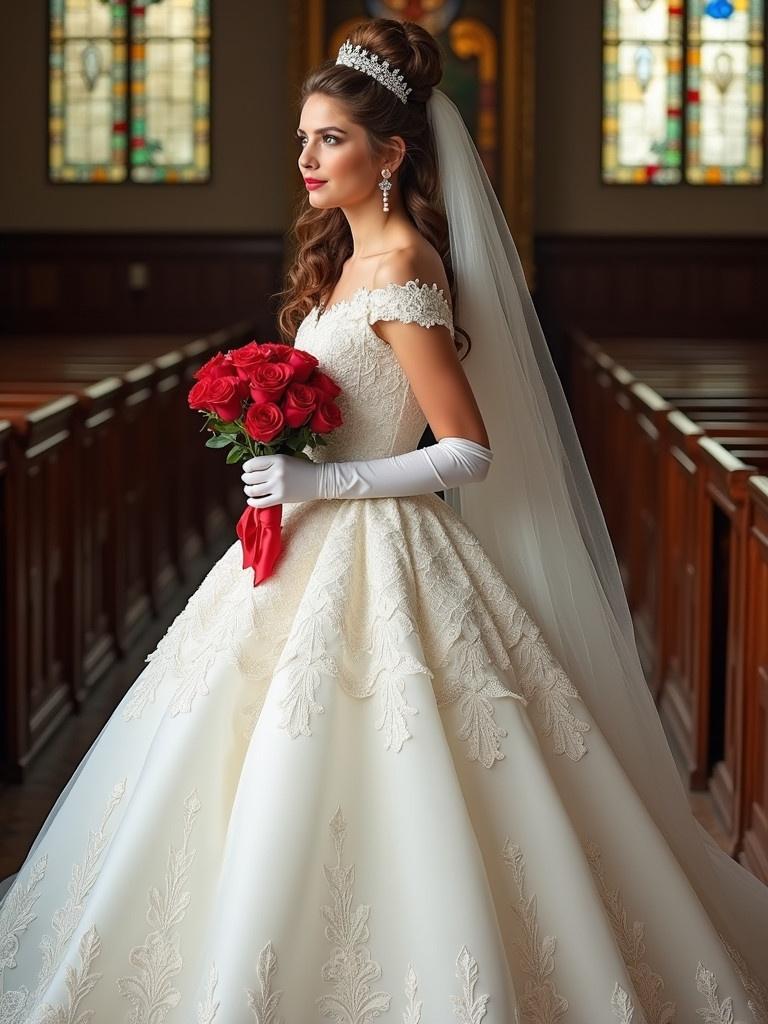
x=170 y=94
x=724 y=110
x=87 y=114
x=129 y=88
x=642 y=82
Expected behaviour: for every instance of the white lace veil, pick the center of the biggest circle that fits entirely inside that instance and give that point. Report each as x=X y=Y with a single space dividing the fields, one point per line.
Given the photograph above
x=538 y=518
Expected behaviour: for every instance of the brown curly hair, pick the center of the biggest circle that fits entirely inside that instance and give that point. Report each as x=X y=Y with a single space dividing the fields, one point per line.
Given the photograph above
x=323 y=238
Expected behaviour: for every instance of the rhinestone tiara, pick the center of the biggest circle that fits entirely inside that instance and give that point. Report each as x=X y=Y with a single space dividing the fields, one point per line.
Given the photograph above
x=363 y=60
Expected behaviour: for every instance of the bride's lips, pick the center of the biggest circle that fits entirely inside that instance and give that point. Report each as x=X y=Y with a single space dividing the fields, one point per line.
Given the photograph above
x=313 y=183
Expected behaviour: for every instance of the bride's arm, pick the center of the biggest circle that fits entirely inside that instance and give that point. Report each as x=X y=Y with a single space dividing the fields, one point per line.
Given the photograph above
x=429 y=360
x=428 y=356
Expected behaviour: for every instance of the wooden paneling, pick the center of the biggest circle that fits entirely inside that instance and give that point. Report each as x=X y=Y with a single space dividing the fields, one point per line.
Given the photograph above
x=57 y=283
x=689 y=287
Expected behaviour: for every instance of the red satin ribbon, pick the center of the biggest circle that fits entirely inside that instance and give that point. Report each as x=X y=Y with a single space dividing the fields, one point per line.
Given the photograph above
x=259 y=533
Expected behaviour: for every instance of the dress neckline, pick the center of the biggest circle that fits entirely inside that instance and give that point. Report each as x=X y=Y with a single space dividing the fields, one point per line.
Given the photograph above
x=322 y=311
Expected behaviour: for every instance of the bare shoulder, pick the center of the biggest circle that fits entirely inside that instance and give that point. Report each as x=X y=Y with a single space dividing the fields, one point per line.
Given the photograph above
x=419 y=260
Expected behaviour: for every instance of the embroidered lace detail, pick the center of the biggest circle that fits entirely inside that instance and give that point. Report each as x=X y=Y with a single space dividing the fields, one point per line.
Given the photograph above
x=714 y=1012
x=647 y=984
x=475 y=615
x=461 y=636
x=15 y=917
x=79 y=983
x=412 y=1012
x=396 y=591
x=66 y=920
x=541 y=1003
x=350 y=965
x=221 y=621
x=150 y=991
x=622 y=1006
x=63 y=924
x=306 y=658
x=374 y=660
x=466 y=1008
x=756 y=991
x=208 y=1008
x=544 y=681
x=411 y=302
x=264 y=1002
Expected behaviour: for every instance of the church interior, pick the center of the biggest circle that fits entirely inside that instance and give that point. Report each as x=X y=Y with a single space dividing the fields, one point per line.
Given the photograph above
x=146 y=195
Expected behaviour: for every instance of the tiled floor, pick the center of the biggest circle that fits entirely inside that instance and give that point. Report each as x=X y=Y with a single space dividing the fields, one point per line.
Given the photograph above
x=23 y=808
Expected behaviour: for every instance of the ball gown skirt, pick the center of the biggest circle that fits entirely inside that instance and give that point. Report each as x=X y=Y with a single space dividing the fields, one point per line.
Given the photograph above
x=363 y=790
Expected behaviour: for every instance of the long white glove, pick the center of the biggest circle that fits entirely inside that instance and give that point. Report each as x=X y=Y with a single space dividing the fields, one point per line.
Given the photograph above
x=273 y=479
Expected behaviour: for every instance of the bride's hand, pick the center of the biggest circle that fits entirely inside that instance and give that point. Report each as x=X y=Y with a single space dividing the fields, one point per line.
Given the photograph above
x=274 y=479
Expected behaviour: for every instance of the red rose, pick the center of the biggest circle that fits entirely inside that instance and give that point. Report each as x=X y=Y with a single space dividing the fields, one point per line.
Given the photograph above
x=219 y=365
x=277 y=353
x=264 y=422
x=222 y=396
x=198 y=395
x=268 y=381
x=327 y=416
x=246 y=358
x=300 y=402
x=225 y=397
x=324 y=384
x=302 y=362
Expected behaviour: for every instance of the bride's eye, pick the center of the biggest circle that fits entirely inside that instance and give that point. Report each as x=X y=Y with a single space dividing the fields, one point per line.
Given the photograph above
x=300 y=139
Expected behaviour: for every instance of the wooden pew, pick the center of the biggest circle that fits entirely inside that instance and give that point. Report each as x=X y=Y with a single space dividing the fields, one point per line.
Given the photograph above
x=728 y=467
x=96 y=435
x=690 y=423
x=754 y=850
x=37 y=640
x=149 y=505
x=622 y=420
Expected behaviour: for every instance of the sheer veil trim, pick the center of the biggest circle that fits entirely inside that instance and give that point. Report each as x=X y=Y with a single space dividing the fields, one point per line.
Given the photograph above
x=538 y=517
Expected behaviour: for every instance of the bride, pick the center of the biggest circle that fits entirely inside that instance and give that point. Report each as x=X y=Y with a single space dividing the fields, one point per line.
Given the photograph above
x=416 y=774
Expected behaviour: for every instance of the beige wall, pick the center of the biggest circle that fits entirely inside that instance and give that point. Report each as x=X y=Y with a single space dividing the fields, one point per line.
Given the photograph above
x=569 y=196
x=252 y=154
x=251 y=120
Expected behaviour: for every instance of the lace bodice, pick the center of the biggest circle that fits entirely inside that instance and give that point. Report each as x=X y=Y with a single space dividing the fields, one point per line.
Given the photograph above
x=381 y=414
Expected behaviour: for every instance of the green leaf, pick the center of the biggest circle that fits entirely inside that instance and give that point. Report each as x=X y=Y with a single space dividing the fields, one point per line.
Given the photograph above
x=234 y=454
x=217 y=441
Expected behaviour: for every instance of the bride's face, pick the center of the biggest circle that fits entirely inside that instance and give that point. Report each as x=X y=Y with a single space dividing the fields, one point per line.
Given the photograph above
x=336 y=151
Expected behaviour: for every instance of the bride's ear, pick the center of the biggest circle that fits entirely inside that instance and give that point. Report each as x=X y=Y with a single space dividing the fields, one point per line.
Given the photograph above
x=396 y=152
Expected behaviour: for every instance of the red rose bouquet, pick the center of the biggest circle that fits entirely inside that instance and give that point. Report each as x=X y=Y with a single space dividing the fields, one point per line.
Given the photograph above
x=264 y=399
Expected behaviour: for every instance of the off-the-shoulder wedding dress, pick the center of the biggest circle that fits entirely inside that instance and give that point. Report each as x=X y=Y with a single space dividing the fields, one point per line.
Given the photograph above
x=362 y=790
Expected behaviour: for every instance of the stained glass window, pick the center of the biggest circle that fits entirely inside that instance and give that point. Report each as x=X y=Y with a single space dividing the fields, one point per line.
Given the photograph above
x=725 y=91
x=129 y=91
x=683 y=92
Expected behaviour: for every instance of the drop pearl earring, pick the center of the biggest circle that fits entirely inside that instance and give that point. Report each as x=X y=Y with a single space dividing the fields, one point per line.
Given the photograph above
x=385 y=186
